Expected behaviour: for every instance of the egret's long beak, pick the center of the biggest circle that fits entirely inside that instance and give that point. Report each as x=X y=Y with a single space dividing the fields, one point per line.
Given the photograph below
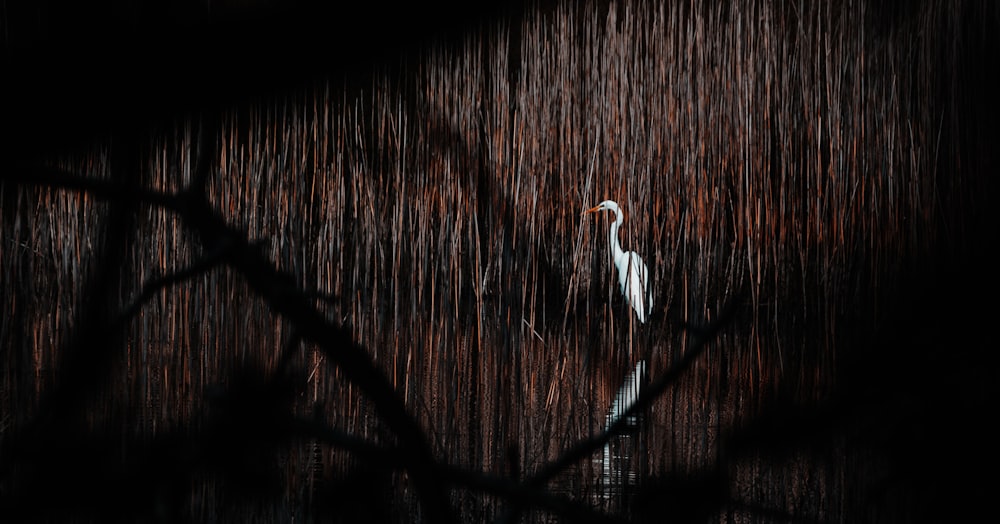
x=592 y=210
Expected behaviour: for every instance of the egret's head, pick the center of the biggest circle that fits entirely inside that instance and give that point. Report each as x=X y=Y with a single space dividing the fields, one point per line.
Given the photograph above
x=607 y=205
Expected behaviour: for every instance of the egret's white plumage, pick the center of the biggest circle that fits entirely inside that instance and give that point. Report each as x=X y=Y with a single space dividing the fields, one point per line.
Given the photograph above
x=633 y=277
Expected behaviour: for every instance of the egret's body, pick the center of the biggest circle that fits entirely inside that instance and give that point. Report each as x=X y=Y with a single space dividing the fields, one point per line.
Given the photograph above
x=633 y=277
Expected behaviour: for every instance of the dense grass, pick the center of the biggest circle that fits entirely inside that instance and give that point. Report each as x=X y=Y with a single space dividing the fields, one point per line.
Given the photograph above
x=796 y=160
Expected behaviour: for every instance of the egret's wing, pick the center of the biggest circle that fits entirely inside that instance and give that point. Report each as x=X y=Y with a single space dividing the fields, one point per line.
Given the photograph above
x=647 y=292
x=637 y=285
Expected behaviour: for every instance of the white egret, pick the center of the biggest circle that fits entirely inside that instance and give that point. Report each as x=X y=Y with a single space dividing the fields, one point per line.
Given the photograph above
x=633 y=277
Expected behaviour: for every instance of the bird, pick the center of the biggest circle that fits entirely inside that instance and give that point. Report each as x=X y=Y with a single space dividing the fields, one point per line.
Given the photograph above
x=633 y=276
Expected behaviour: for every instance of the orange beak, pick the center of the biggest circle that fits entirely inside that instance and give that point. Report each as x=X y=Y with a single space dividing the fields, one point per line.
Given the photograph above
x=592 y=210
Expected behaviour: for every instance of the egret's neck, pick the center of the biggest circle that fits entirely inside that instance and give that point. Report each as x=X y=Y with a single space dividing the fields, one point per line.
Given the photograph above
x=616 y=247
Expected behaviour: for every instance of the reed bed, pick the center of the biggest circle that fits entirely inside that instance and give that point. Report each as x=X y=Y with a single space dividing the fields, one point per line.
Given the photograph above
x=789 y=161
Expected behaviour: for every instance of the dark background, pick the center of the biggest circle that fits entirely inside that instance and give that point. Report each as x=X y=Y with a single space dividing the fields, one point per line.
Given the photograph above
x=75 y=70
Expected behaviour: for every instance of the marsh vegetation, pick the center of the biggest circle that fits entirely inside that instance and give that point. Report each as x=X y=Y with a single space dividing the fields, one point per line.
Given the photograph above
x=380 y=299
